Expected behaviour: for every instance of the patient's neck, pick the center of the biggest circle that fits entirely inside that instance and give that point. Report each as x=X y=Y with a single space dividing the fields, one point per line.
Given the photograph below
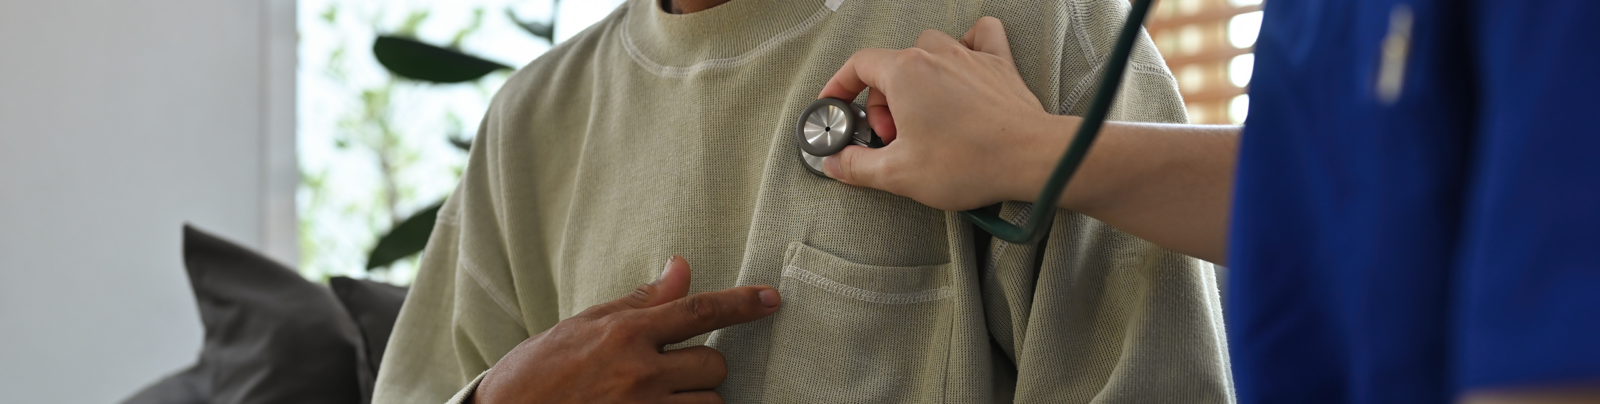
x=689 y=6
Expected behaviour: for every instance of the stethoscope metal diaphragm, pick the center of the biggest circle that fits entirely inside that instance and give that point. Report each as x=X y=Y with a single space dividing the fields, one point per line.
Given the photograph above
x=827 y=126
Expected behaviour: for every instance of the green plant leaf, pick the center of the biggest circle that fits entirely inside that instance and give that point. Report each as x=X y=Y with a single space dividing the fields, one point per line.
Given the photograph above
x=461 y=142
x=477 y=23
x=407 y=238
x=412 y=59
x=546 y=31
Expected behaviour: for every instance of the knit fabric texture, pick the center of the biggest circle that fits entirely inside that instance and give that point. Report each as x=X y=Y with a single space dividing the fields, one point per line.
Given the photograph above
x=652 y=134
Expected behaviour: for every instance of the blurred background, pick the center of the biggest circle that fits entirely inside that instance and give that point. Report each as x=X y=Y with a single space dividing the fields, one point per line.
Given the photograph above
x=273 y=123
x=1209 y=46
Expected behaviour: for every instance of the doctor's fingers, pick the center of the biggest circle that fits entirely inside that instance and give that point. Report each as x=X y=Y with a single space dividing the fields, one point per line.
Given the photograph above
x=937 y=41
x=861 y=166
x=988 y=35
x=865 y=68
x=879 y=117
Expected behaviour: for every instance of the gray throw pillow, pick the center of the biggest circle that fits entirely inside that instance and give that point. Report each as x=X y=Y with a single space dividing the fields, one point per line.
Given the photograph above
x=190 y=386
x=373 y=306
x=271 y=336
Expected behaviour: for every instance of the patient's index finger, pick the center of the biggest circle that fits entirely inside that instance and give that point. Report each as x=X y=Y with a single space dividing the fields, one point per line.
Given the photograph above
x=864 y=69
x=706 y=312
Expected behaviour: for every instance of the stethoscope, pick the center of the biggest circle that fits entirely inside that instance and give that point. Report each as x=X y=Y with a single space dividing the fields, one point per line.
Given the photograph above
x=829 y=124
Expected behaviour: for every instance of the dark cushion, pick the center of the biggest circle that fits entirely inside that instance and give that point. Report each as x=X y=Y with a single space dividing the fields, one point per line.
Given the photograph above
x=373 y=306
x=271 y=336
x=190 y=386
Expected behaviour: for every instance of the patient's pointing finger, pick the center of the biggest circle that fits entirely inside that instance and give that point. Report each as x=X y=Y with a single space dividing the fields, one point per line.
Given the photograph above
x=694 y=397
x=706 y=312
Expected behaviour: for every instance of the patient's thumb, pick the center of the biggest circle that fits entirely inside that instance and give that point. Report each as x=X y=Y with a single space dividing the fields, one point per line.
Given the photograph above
x=673 y=284
x=855 y=165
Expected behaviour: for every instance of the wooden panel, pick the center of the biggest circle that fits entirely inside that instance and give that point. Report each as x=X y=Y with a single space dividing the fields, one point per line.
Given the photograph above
x=1193 y=38
x=1210 y=15
x=1215 y=94
x=1208 y=56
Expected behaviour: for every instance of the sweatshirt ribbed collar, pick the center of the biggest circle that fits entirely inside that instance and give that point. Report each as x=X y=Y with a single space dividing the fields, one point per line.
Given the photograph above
x=720 y=37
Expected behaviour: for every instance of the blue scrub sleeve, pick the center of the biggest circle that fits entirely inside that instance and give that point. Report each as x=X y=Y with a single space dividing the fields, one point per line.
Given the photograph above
x=1528 y=292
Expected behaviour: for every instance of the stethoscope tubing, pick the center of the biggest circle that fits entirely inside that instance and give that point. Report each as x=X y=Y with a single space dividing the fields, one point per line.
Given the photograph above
x=1044 y=208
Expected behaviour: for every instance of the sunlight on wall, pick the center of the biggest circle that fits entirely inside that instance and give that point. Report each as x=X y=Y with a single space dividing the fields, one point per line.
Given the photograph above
x=1239 y=108
x=1240 y=68
x=374 y=148
x=1243 y=29
x=1209 y=45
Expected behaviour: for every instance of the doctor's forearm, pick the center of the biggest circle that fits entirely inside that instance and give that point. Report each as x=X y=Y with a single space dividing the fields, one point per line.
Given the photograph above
x=1167 y=183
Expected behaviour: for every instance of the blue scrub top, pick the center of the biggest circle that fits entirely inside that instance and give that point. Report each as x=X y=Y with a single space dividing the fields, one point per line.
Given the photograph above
x=1409 y=243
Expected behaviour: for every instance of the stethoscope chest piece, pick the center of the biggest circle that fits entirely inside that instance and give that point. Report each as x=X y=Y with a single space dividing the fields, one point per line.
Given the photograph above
x=827 y=126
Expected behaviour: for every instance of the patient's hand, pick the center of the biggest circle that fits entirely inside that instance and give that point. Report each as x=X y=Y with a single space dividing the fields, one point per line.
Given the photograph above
x=611 y=353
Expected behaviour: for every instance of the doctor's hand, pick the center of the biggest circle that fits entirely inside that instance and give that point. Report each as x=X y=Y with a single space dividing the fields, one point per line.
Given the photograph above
x=961 y=126
x=612 y=353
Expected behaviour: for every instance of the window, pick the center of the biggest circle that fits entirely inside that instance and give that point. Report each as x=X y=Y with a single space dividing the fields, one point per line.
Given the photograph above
x=1209 y=46
x=375 y=148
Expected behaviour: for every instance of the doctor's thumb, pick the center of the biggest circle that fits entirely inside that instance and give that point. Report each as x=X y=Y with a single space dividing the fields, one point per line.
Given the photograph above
x=856 y=165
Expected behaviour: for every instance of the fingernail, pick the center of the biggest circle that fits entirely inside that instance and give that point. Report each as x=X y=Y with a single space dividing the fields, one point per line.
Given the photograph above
x=769 y=297
x=664 y=270
x=830 y=166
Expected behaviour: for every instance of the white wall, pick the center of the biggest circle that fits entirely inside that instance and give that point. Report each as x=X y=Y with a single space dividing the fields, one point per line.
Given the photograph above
x=119 y=121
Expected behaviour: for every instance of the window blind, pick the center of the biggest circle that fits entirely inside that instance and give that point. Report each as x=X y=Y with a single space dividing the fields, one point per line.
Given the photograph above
x=1209 y=46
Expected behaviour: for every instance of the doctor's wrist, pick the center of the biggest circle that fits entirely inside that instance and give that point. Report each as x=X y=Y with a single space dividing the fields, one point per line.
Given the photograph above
x=1044 y=138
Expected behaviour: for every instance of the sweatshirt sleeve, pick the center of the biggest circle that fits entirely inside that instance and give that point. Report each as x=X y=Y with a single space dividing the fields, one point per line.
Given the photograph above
x=461 y=315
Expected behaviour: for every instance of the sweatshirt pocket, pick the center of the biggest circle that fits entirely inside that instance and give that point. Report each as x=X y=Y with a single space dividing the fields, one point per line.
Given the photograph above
x=850 y=333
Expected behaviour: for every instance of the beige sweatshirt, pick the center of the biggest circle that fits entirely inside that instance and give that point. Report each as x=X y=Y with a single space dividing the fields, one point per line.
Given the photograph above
x=653 y=134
